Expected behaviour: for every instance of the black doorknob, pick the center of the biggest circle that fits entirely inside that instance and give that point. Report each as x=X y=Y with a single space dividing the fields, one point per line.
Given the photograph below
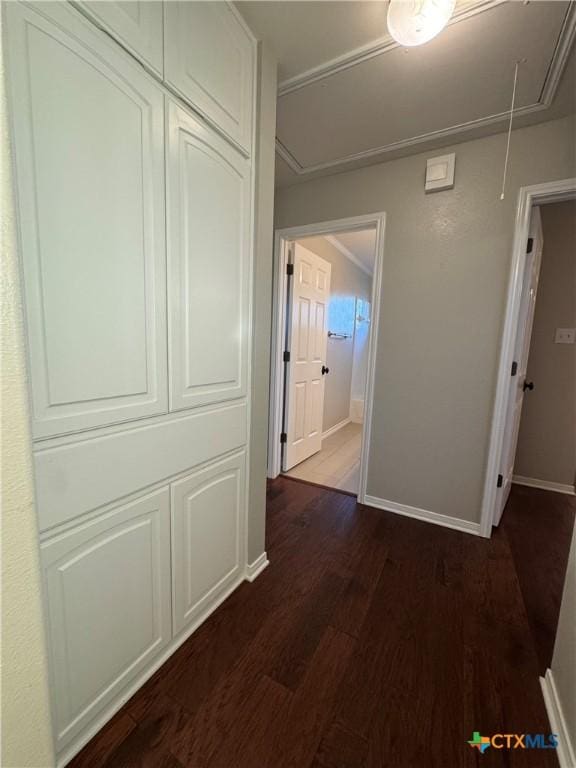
x=325 y=370
x=528 y=385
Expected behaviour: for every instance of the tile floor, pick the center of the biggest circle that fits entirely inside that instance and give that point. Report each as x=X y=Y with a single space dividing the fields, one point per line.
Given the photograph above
x=337 y=465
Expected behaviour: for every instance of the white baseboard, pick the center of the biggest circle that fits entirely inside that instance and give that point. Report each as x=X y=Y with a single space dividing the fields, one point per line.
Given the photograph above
x=253 y=570
x=545 y=485
x=565 y=751
x=423 y=514
x=335 y=428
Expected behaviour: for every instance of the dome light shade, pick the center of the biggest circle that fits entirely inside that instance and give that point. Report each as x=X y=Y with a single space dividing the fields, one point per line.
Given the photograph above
x=413 y=22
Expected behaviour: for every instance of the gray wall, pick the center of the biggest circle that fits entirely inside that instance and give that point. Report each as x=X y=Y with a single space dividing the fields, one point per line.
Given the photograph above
x=262 y=306
x=347 y=282
x=547 y=439
x=564 y=658
x=445 y=274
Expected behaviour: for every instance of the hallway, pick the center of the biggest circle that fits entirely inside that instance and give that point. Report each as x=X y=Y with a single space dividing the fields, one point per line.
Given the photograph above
x=371 y=640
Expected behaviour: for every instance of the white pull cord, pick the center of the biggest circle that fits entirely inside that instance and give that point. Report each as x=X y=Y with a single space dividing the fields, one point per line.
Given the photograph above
x=509 y=130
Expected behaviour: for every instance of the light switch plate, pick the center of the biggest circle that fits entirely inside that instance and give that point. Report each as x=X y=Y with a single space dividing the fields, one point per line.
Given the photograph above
x=440 y=173
x=565 y=336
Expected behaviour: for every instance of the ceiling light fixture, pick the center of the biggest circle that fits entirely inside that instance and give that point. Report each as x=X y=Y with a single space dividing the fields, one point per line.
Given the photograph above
x=413 y=22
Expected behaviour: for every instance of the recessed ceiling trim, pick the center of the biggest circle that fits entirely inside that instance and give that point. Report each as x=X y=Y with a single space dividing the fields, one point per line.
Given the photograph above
x=372 y=49
x=550 y=86
x=348 y=253
x=560 y=55
x=288 y=157
x=301 y=170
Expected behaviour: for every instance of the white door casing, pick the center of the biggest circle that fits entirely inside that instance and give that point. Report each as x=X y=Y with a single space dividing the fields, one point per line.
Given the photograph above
x=93 y=234
x=107 y=585
x=136 y=24
x=521 y=352
x=207 y=531
x=308 y=338
x=209 y=59
x=208 y=204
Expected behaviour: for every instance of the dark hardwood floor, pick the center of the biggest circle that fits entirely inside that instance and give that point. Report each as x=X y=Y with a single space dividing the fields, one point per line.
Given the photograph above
x=371 y=641
x=538 y=525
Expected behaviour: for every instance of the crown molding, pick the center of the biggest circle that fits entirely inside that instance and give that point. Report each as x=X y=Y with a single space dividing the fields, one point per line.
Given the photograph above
x=372 y=49
x=550 y=86
x=348 y=253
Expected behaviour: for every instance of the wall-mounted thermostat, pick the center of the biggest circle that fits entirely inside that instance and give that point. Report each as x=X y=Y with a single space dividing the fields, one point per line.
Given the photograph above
x=440 y=173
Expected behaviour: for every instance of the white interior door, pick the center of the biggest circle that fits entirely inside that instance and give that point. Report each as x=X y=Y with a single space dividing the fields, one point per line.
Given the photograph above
x=521 y=351
x=308 y=336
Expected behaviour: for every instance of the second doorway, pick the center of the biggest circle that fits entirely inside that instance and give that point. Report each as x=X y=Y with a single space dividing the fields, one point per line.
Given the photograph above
x=327 y=334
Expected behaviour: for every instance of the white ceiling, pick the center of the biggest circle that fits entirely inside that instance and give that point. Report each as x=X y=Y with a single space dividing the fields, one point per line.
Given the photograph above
x=350 y=96
x=359 y=246
x=307 y=34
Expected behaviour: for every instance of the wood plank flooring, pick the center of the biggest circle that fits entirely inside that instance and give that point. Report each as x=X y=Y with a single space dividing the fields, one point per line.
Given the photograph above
x=538 y=525
x=371 y=641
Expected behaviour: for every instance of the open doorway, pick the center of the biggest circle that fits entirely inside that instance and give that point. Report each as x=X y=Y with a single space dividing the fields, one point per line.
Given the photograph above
x=533 y=502
x=325 y=314
x=324 y=432
x=552 y=352
x=512 y=382
x=545 y=455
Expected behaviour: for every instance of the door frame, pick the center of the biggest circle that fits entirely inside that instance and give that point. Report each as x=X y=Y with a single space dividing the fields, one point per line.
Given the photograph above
x=282 y=238
x=537 y=194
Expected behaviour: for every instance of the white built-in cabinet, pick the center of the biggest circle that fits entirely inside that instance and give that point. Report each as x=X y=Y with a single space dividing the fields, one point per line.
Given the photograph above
x=209 y=60
x=107 y=585
x=132 y=136
x=136 y=24
x=89 y=141
x=208 y=194
x=207 y=531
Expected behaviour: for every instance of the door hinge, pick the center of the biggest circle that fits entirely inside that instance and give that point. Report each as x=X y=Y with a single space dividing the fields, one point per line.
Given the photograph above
x=289 y=269
x=530 y=245
x=283 y=437
x=500 y=481
x=286 y=356
x=514 y=368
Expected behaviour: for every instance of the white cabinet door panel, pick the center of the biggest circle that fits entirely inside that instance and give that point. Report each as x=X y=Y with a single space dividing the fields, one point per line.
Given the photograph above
x=107 y=585
x=69 y=478
x=208 y=263
x=89 y=137
x=136 y=24
x=208 y=510
x=210 y=61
